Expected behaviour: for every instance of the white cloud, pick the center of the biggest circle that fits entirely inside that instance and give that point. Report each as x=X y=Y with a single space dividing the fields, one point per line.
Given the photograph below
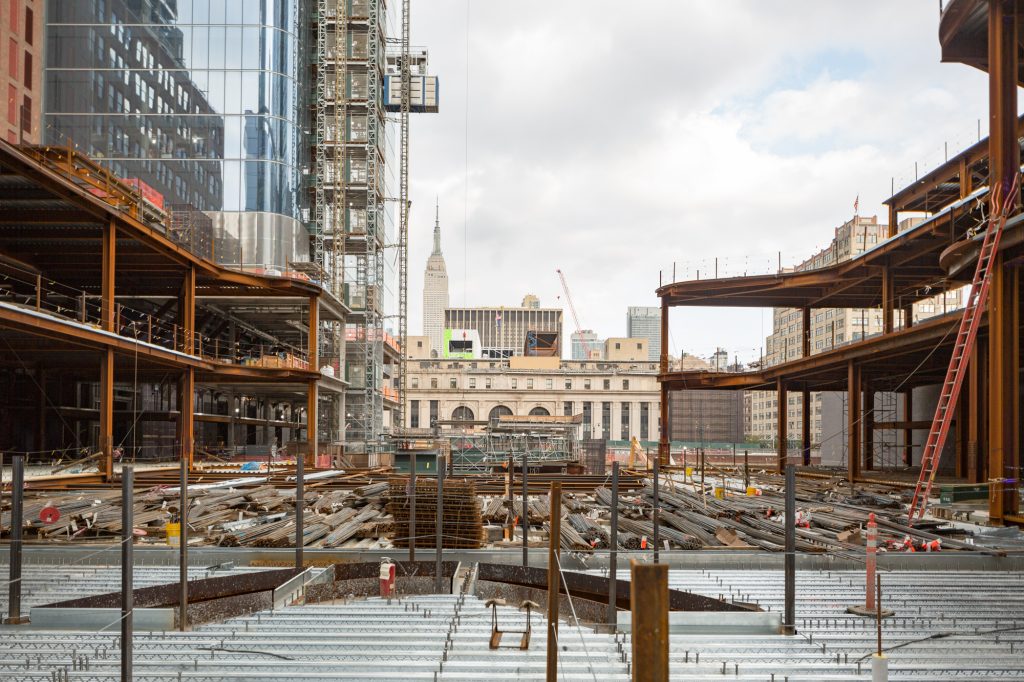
x=611 y=140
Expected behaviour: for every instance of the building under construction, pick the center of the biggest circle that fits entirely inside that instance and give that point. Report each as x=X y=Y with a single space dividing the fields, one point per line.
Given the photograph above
x=962 y=202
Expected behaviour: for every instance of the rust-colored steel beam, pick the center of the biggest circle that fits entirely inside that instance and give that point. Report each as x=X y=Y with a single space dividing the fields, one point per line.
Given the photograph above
x=888 y=301
x=109 y=277
x=805 y=345
x=853 y=419
x=648 y=594
x=1003 y=302
x=663 y=432
x=783 y=423
x=187 y=311
x=908 y=428
x=186 y=426
x=868 y=421
x=107 y=412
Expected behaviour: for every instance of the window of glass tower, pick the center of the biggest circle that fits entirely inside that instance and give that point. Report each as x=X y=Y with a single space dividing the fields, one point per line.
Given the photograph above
x=199 y=99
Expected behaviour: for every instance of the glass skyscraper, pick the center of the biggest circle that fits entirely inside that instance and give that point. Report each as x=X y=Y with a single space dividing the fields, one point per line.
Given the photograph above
x=205 y=101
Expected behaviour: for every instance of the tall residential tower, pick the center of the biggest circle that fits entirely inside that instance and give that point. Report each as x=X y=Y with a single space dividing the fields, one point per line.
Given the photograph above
x=435 y=290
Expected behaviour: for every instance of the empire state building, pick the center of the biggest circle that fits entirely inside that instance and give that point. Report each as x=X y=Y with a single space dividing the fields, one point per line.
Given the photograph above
x=435 y=292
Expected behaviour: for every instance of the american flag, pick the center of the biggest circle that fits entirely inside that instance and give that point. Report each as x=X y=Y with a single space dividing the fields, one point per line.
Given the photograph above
x=856 y=204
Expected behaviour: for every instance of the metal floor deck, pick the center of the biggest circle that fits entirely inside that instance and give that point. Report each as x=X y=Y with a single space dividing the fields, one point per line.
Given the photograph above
x=955 y=625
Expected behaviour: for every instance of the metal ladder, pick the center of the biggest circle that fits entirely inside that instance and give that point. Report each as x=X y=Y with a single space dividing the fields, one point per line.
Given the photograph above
x=965 y=338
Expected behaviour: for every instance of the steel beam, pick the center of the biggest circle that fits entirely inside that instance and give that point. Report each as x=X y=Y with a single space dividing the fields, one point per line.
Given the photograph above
x=14 y=616
x=554 y=580
x=649 y=599
x=186 y=415
x=663 y=441
x=1003 y=302
x=187 y=312
x=908 y=432
x=888 y=300
x=853 y=421
x=108 y=277
x=107 y=412
x=782 y=423
x=127 y=568
x=868 y=420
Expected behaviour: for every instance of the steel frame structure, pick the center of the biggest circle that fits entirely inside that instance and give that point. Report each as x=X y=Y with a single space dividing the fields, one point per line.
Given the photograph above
x=936 y=255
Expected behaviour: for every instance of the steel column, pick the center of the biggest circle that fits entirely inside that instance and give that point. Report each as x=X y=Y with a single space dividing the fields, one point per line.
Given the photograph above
x=107 y=412
x=554 y=545
x=108 y=277
x=789 y=620
x=908 y=433
x=1003 y=314
x=853 y=421
x=439 y=523
x=183 y=546
x=300 y=502
x=656 y=511
x=186 y=415
x=613 y=553
x=412 y=506
x=1004 y=391
x=314 y=330
x=127 y=566
x=525 y=516
x=805 y=341
x=888 y=301
x=663 y=442
x=649 y=601
x=187 y=313
x=782 y=423
x=868 y=419
x=14 y=616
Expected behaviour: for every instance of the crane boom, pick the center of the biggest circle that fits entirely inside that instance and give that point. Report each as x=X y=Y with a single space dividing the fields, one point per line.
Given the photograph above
x=575 y=317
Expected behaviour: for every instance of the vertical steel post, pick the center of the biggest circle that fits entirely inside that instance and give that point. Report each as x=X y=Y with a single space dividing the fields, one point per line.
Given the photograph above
x=525 y=516
x=412 y=506
x=746 y=470
x=300 y=502
x=554 y=543
x=183 y=549
x=127 y=565
x=439 y=537
x=649 y=601
x=14 y=616
x=789 y=621
x=655 y=512
x=613 y=555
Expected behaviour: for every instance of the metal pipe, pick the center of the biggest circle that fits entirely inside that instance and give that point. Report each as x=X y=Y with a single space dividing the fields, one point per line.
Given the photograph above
x=300 y=506
x=412 y=506
x=17 y=528
x=554 y=543
x=789 y=621
x=613 y=555
x=183 y=549
x=439 y=540
x=655 y=512
x=526 y=514
x=127 y=565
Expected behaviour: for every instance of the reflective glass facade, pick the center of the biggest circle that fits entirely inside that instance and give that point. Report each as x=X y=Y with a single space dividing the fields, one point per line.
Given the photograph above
x=201 y=99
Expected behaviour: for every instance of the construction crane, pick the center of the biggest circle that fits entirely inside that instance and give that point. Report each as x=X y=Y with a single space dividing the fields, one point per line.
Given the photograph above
x=575 y=318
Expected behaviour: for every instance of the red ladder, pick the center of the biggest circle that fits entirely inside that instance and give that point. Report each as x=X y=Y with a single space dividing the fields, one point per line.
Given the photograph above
x=965 y=338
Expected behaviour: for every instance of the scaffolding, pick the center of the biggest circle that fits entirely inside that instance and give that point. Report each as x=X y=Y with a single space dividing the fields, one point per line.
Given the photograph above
x=349 y=226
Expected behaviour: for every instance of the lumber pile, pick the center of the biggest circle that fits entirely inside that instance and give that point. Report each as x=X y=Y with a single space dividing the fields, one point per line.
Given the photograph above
x=461 y=523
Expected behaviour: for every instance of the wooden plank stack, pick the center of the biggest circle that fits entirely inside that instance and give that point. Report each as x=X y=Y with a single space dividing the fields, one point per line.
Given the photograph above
x=461 y=525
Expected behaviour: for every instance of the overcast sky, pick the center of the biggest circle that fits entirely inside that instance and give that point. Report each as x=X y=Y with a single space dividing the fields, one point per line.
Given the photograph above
x=611 y=139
